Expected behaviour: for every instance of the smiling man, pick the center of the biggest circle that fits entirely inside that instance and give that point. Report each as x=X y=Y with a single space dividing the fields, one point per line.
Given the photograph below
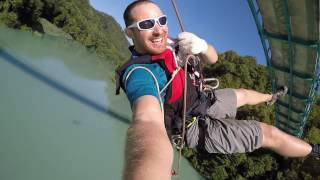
x=154 y=84
x=152 y=42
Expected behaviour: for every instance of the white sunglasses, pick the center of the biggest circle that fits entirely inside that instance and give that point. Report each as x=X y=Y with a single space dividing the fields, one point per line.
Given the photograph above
x=148 y=24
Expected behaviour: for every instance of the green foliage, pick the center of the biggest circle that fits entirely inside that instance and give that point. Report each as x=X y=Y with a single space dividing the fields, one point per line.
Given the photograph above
x=313 y=120
x=234 y=71
x=239 y=72
x=292 y=175
x=9 y=19
x=312 y=129
x=258 y=165
x=219 y=173
x=306 y=176
x=74 y=18
x=313 y=135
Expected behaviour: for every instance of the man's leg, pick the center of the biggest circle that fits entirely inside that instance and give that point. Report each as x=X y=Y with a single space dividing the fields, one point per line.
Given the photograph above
x=251 y=97
x=228 y=136
x=282 y=143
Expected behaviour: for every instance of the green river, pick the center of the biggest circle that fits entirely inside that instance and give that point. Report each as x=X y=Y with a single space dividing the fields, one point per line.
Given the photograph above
x=60 y=118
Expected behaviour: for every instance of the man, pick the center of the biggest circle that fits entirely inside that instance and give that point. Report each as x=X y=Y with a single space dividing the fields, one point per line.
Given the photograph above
x=149 y=154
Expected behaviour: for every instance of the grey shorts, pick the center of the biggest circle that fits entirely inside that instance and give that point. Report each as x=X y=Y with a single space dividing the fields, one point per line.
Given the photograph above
x=221 y=132
x=225 y=105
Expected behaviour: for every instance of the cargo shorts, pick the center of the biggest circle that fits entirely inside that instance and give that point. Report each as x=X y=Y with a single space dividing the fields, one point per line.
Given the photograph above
x=220 y=132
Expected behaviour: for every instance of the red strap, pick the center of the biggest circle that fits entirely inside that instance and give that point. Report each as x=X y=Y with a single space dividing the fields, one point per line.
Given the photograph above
x=178 y=81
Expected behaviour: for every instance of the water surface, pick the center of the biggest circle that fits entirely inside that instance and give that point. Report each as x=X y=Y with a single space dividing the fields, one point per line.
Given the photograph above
x=59 y=116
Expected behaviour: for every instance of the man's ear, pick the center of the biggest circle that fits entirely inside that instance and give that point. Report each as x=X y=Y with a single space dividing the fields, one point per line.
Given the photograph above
x=128 y=32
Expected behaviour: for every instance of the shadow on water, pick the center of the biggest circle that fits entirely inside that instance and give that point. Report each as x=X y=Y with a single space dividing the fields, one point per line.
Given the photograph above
x=58 y=86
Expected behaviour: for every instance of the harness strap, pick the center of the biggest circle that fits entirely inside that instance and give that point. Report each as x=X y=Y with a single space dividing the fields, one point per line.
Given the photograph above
x=202 y=132
x=175 y=72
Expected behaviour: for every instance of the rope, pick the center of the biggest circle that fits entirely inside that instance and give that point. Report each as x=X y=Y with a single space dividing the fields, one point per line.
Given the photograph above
x=175 y=72
x=177 y=171
x=178 y=15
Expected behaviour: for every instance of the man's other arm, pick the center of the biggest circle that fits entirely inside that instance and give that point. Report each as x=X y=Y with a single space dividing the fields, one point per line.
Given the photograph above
x=210 y=56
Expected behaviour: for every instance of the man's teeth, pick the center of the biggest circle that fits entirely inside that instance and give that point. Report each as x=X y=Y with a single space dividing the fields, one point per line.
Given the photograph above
x=157 y=40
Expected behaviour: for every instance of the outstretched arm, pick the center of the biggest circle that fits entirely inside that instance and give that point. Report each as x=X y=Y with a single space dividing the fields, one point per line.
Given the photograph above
x=148 y=153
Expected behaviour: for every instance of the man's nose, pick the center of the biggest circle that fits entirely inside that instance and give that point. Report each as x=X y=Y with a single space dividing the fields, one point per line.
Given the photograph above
x=157 y=28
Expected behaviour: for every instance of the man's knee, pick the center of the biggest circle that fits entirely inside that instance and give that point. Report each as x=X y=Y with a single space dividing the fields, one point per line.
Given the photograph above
x=271 y=135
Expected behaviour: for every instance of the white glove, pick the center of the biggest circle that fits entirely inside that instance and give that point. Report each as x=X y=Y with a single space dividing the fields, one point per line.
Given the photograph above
x=191 y=44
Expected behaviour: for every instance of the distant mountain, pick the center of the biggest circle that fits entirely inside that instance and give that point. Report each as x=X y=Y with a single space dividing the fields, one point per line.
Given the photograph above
x=71 y=19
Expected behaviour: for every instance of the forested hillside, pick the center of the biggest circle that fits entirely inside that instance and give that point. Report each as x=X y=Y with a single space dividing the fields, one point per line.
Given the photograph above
x=72 y=19
x=242 y=72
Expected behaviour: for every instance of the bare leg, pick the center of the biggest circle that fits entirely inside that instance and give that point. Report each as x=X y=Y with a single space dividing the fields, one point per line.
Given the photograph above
x=250 y=97
x=282 y=143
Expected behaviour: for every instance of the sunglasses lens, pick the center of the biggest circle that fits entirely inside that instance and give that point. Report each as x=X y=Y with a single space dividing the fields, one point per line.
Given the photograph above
x=163 y=20
x=147 y=24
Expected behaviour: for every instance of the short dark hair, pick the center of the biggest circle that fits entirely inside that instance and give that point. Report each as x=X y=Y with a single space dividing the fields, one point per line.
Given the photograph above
x=127 y=12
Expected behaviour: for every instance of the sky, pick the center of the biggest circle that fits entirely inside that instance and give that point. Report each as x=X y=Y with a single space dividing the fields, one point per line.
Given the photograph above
x=226 y=24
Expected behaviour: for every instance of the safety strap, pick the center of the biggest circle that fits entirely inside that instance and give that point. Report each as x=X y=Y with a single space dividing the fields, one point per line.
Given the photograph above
x=202 y=132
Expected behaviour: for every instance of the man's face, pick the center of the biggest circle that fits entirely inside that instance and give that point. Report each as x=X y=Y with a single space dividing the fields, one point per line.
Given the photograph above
x=151 y=41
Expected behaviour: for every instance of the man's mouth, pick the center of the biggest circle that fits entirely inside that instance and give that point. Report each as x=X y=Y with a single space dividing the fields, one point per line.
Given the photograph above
x=157 y=40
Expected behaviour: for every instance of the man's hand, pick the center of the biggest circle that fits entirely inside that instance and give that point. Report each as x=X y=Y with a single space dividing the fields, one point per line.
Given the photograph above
x=191 y=44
